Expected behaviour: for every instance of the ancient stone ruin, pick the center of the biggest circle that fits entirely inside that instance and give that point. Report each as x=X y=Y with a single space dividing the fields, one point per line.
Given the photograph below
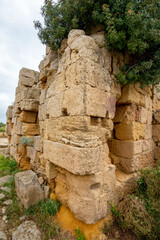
x=76 y=126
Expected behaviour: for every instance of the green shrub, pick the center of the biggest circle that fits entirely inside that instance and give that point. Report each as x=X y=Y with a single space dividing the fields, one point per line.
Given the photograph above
x=141 y=212
x=131 y=26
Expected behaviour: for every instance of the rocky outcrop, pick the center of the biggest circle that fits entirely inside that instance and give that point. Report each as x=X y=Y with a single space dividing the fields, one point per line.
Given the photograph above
x=84 y=133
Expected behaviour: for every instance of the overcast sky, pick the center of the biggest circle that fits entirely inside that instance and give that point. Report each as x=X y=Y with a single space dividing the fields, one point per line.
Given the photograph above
x=19 y=45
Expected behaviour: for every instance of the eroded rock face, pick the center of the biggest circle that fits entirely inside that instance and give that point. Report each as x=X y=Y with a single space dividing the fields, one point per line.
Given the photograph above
x=90 y=136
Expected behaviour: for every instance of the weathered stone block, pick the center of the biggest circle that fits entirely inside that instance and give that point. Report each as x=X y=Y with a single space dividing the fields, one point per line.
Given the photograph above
x=29 y=105
x=28 y=188
x=87 y=196
x=157 y=153
x=96 y=102
x=13 y=151
x=130 y=95
x=77 y=160
x=147 y=131
x=73 y=102
x=135 y=163
x=51 y=171
x=156 y=116
x=57 y=86
x=156 y=133
x=30 y=129
x=128 y=149
x=38 y=143
x=9 y=112
x=28 y=117
x=30 y=93
x=132 y=112
x=42 y=96
x=130 y=131
x=28 y=77
x=54 y=105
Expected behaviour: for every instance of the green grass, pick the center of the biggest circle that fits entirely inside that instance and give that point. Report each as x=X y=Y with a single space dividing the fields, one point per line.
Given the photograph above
x=79 y=234
x=8 y=166
x=43 y=213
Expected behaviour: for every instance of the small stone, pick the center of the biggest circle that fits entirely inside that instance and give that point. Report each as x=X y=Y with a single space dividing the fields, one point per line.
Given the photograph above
x=4 y=218
x=3 y=210
x=117 y=234
x=46 y=191
x=2 y=196
x=6 y=157
x=5 y=179
x=3 y=236
x=40 y=179
x=102 y=237
x=6 y=189
x=22 y=218
x=27 y=230
x=8 y=202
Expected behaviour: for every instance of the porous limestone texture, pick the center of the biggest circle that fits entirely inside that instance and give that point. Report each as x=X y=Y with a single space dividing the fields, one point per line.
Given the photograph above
x=86 y=135
x=27 y=231
x=28 y=188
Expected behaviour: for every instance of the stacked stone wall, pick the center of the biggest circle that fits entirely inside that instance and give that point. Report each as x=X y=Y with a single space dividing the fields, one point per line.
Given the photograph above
x=90 y=137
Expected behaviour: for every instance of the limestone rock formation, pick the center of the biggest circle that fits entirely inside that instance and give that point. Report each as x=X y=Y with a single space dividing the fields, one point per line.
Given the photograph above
x=89 y=136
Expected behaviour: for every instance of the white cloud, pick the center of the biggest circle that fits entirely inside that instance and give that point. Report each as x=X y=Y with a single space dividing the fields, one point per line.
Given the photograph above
x=19 y=45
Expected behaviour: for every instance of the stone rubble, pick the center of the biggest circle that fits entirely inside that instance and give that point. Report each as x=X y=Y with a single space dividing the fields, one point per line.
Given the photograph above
x=26 y=231
x=86 y=136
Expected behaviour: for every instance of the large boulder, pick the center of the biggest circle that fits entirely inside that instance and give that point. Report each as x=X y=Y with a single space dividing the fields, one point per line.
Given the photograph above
x=28 y=188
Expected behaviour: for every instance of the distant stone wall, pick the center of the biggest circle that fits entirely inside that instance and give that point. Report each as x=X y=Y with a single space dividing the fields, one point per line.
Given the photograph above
x=90 y=137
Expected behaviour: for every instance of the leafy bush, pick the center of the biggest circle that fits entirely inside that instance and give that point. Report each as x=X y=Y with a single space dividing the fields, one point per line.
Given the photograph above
x=131 y=26
x=141 y=212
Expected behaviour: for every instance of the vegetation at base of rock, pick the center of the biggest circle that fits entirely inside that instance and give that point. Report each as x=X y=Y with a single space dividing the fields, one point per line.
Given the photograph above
x=131 y=26
x=8 y=166
x=43 y=212
x=79 y=234
x=48 y=207
x=141 y=212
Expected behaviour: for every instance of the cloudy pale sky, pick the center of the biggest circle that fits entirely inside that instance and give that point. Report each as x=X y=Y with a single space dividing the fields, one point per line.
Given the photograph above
x=19 y=45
